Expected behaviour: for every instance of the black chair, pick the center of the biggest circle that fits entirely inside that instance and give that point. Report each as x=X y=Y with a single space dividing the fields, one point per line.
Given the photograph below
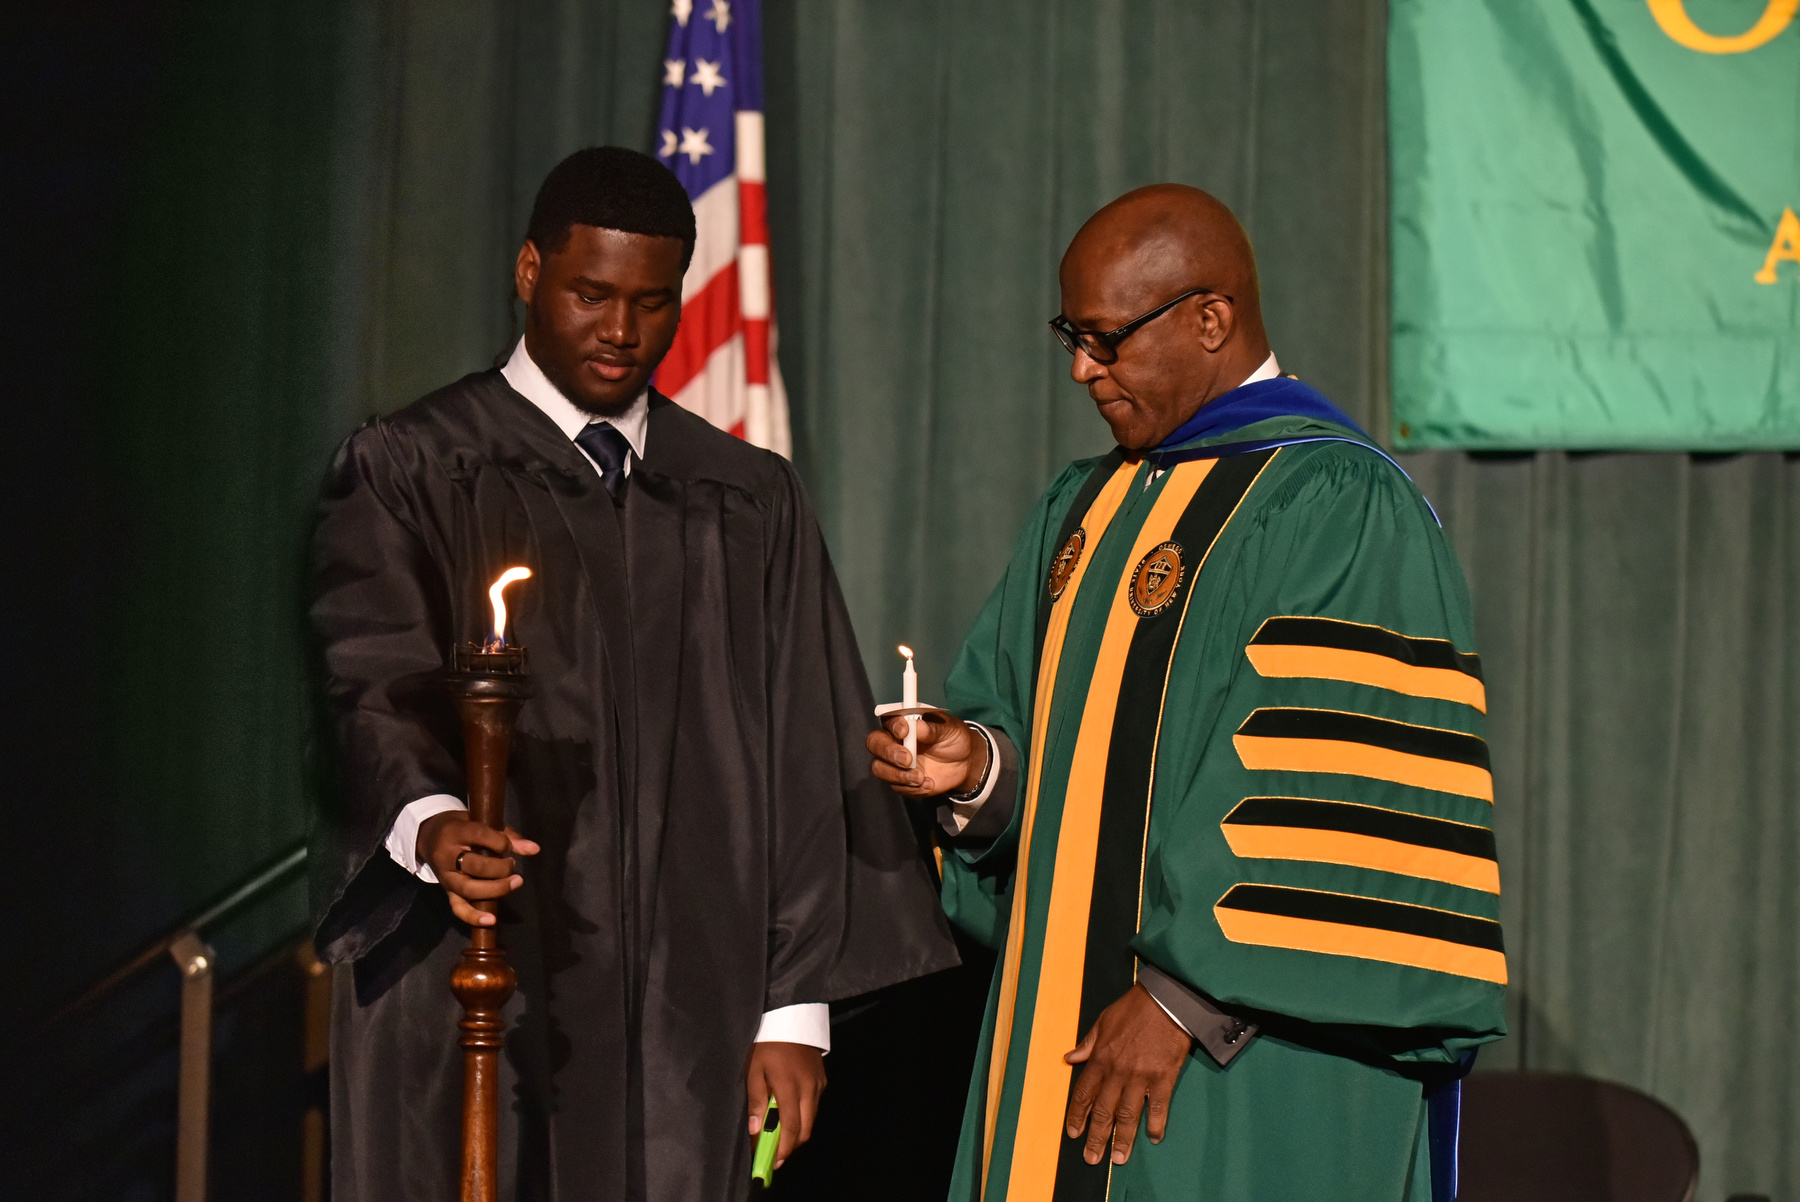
x=1555 y=1137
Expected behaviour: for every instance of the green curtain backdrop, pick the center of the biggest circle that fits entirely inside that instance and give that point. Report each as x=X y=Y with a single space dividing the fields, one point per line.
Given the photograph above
x=313 y=220
x=1638 y=618
x=449 y=116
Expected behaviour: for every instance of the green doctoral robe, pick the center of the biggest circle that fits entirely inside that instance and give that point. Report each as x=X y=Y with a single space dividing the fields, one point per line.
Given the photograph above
x=1249 y=724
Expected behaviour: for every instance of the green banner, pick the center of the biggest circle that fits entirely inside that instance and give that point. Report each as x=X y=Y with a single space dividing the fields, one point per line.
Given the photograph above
x=1594 y=233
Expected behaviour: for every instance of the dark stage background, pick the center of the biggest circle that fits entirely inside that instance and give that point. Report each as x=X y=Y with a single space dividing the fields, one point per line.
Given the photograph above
x=237 y=228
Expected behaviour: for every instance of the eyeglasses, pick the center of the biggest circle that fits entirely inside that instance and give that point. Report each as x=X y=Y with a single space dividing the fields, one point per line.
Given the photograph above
x=1104 y=348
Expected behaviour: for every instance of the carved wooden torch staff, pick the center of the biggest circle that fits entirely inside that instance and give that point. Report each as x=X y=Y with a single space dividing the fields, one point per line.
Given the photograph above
x=489 y=683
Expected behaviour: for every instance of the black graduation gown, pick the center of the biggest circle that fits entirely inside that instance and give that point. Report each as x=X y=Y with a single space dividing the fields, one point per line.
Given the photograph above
x=692 y=764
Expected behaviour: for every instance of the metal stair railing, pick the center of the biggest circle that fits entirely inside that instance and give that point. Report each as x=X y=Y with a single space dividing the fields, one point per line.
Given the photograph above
x=186 y=945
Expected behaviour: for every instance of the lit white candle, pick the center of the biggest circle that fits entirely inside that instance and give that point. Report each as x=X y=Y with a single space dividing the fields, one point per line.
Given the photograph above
x=909 y=697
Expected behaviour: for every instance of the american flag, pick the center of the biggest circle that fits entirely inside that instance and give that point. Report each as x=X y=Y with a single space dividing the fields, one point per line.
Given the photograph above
x=722 y=365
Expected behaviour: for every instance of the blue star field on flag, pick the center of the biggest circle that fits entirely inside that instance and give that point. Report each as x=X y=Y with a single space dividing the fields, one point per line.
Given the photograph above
x=713 y=68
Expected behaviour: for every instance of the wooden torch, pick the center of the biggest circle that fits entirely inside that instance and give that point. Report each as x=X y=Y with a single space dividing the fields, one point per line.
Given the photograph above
x=489 y=683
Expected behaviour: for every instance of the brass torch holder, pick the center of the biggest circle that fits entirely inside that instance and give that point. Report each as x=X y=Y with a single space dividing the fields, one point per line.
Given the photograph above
x=489 y=686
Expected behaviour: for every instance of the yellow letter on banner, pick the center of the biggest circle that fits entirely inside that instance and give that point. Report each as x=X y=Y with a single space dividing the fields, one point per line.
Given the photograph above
x=1786 y=246
x=1672 y=16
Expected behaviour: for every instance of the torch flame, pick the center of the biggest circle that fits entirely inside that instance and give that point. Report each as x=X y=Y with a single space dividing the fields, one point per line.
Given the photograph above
x=494 y=595
x=906 y=651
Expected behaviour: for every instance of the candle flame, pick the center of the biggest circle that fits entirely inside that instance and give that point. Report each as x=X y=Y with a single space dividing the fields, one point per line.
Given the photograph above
x=906 y=651
x=494 y=595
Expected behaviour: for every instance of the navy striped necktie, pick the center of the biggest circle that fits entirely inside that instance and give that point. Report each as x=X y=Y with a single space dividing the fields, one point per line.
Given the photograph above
x=608 y=448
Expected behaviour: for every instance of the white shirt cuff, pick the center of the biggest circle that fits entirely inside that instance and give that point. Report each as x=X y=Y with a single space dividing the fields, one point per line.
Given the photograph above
x=808 y=1023
x=403 y=836
x=956 y=815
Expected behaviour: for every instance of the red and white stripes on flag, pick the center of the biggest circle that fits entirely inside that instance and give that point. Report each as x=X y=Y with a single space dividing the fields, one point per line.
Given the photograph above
x=723 y=364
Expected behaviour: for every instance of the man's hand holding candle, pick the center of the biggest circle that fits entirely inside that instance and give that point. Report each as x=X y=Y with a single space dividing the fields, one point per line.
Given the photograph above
x=952 y=757
x=486 y=870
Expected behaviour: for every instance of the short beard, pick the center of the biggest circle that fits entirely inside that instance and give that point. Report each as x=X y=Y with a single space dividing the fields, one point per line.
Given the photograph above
x=575 y=398
x=593 y=410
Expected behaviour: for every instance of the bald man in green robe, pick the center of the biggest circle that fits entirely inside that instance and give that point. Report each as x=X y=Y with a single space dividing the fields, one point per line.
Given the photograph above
x=1216 y=781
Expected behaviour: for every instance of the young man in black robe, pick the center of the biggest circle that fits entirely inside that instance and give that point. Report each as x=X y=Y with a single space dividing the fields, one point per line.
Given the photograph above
x=698 y=859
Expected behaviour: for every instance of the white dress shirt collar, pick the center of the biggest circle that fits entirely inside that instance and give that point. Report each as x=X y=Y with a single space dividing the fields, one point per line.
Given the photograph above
x=529 y=381
x=1268 y=371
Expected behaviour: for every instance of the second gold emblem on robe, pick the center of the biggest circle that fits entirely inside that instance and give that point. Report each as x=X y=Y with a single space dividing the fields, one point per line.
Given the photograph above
x=1156 y=580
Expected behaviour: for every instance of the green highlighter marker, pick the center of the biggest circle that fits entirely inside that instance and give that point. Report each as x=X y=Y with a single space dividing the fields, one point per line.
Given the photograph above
x=762 y=1165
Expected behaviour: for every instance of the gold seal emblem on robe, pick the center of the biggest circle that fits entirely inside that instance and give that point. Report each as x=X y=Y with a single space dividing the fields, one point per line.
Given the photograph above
x=1156 y=579
x=1063 y=566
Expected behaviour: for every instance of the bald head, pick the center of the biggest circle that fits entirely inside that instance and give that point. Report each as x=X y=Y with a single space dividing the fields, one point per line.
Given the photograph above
x=1138 y=253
